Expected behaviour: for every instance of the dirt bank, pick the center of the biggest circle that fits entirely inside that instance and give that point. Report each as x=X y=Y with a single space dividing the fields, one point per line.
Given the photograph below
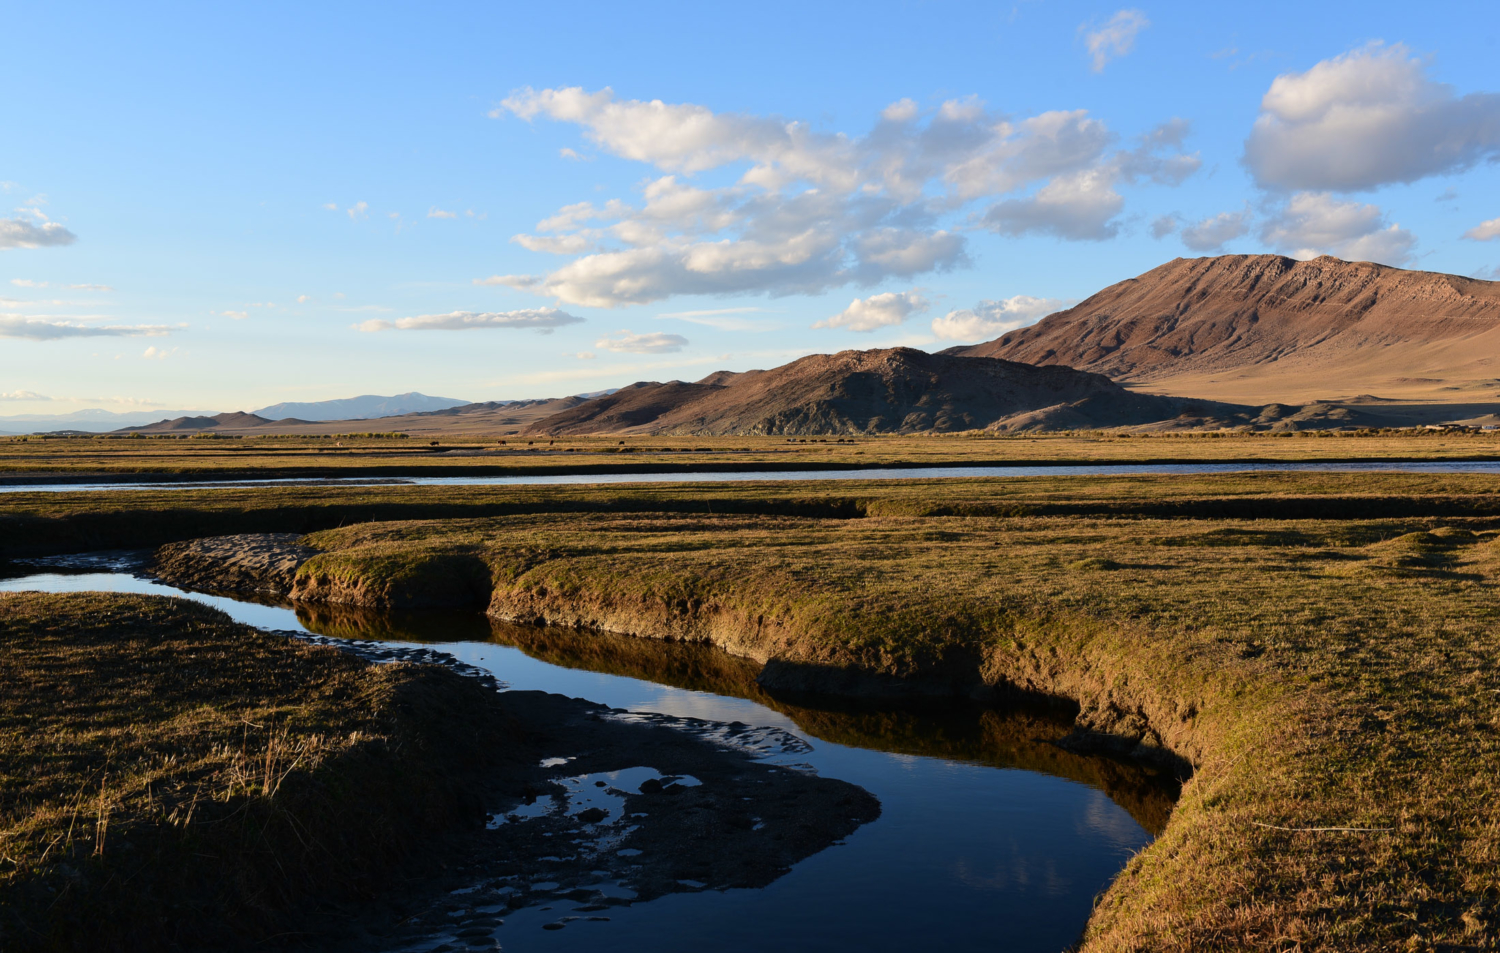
x=264 y=562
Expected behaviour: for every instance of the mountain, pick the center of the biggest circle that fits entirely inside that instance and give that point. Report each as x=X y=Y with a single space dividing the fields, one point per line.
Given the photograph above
x=359 y=408
x=1257 y=328
x=87 y=421
x=497 y=418
x=894 y=390
x=238 y=420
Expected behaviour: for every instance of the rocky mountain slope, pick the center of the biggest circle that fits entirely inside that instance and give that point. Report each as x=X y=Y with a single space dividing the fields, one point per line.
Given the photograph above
x=1257 y=328
x=894 y=390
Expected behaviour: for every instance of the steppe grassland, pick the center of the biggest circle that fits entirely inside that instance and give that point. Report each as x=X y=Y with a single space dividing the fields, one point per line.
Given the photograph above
x=169 y=776
x=270 y=455
x=1321 y=674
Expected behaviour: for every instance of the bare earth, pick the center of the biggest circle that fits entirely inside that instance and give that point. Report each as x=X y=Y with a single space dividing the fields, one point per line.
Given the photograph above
x=1260 y=328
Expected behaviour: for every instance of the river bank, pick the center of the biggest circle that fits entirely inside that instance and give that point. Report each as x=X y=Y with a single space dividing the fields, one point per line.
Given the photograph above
x=176 y=780
x=1313 y=673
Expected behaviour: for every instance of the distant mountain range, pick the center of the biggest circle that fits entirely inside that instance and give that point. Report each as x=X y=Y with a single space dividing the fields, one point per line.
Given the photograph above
x=1253 y=341
x=87 y=421
x=364 y=407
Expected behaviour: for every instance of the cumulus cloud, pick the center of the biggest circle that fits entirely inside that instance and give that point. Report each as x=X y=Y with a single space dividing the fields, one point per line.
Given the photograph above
x=20 y=233
x=989 y=319
x=1367 y=118
x=1211 y=233
x=43 y=329
x=359 y=210
x=22 y=395
x=154 y=353
x=27 y=283
x=436 y=212
x=1082 y=205
x=876 y=311
x=540 y=319
x=1484 y=231
x=236 y=315
x=810 y=210
x=1115 y=38
x=1315 y=223
x=1164 y=225
x=654 y=342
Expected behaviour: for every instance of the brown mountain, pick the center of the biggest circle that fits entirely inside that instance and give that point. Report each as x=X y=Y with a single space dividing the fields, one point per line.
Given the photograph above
x=1257 y=328
x=896 y=390
x=218 y=422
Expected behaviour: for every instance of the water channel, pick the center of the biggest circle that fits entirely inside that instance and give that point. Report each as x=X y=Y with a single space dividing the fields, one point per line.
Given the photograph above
x=990 y=836
x=705 y=476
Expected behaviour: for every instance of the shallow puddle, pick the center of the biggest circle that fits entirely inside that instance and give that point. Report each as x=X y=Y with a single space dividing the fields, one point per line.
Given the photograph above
x=989 y=836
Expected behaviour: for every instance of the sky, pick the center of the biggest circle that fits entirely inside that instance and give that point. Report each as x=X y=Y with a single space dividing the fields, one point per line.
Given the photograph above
x=220 y=207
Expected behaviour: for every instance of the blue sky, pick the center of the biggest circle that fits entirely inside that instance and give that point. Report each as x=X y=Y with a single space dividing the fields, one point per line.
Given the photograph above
x=221 y=208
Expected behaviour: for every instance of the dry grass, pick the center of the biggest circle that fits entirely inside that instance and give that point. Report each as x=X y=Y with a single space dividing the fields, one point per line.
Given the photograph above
x=169 y=777
x=1318 y=673
x=300 y=456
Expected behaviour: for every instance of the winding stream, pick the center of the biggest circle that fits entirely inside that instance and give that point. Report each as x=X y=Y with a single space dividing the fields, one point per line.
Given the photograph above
x=989 y=838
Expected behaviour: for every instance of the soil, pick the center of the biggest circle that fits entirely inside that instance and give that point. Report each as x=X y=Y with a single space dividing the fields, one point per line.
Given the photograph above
x=264 y=562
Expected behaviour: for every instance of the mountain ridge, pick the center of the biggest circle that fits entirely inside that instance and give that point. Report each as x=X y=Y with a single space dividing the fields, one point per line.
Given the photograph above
x=1264 y=328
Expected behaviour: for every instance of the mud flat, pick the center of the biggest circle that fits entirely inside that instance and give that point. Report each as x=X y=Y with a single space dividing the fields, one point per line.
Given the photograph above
x=173 y=779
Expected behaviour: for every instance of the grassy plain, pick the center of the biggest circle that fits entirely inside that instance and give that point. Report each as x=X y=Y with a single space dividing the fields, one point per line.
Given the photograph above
x=1331 y=681
x=265 y=457
x=167 y=776
x=1319 y=648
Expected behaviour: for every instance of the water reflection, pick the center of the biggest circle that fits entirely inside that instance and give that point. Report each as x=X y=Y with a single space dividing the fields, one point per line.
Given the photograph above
x=1019 y=737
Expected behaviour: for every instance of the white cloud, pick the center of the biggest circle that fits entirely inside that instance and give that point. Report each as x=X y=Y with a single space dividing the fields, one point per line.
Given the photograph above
x=989 y=319
x=653 y=342
x=22 y=395
x=877 y=311
x=1315 y=223
x=331 y=206
x=582 y=355
x=1079 y=206
x=87 y=287
x=158 y=354
x=236 y=315
x=1211 y=233
x=359 y=210
x=811 y=211
x=27 y=283
x=20 y=233
x=1082 y=205
x=304 y=299
x=541 y=319
x=1115 y=38
x=1365 y=119
x=436 y=212
x=1164 y=225
x=41 y=329
x=902 y=110
x=1484 y=231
